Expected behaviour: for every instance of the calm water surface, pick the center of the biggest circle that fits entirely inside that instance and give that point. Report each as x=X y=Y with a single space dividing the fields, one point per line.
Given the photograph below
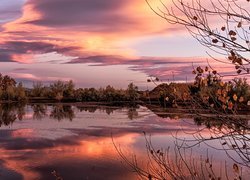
x=75 y=141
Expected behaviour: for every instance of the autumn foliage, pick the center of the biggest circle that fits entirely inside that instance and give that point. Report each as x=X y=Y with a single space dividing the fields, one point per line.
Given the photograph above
x=10 y=90
x=214 y=92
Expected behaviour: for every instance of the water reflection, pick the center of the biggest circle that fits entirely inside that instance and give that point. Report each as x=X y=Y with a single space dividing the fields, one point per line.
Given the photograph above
x=79 y=157
x=75 y=140
x=65 y=146
x=90 y=109
x=239 y=124
x=182 y=160
x=39 y=111
x=132 y=113
x=232 y=132
x=60 y=112
x=10 y=112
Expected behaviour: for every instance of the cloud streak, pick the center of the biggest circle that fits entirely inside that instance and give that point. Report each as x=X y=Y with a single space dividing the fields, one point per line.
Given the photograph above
x=96 y=28
x=167 y=69
x=100 y=33
x=94 y=15
x=19 y=50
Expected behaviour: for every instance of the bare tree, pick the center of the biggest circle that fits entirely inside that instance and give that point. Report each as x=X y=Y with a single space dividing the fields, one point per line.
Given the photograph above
x=220 y=25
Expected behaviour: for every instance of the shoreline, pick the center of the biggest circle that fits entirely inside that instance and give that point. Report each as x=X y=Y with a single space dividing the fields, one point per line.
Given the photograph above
x=153 y=106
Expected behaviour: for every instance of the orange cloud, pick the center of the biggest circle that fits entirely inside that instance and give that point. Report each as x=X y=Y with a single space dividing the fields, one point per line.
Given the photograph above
x=90 y=31
x=99 y=33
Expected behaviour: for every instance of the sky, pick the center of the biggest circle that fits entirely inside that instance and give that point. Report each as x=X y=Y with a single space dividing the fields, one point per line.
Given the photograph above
x=94 y=43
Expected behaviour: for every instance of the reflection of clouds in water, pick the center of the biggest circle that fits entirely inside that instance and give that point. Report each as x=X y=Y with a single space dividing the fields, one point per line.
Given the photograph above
x=45 y=120
x=66 y=154
x=54 y=133
x=42 y=133
x=84 y=145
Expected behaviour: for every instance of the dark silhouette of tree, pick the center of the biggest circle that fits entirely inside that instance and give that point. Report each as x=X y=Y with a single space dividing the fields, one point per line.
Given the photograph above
x=132 y=92
x=20 y=92
x=57 y=89
x=69 y=89
x=7 y=85
x=38 y=90
x=10 y=90
x=6 y=81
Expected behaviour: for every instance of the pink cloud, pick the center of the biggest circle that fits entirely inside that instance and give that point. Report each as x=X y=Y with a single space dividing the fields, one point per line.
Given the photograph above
x=34 y=78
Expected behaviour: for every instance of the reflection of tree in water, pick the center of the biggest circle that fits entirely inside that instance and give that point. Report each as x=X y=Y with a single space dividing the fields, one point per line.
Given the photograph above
x=39 y=111
x=132 y=113
x=90 y=109
x=179 y=162
x=176 y=163
x=109 y=110
x=238 y=124
x=232 y=132
x=171 y=113
x=60 y=112
x=11 y=112
x=228 y=134
x=20 y=110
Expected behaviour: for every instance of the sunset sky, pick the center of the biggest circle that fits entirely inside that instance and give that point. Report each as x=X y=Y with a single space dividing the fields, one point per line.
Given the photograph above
x=94 y=43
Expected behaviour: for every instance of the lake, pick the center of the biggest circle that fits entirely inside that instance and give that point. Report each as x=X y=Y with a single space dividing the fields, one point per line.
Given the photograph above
x=75 y=141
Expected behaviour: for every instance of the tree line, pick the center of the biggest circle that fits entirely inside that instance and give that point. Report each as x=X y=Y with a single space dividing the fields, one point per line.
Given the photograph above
x=208 y=89
x=59 y=90
x=66 y=91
